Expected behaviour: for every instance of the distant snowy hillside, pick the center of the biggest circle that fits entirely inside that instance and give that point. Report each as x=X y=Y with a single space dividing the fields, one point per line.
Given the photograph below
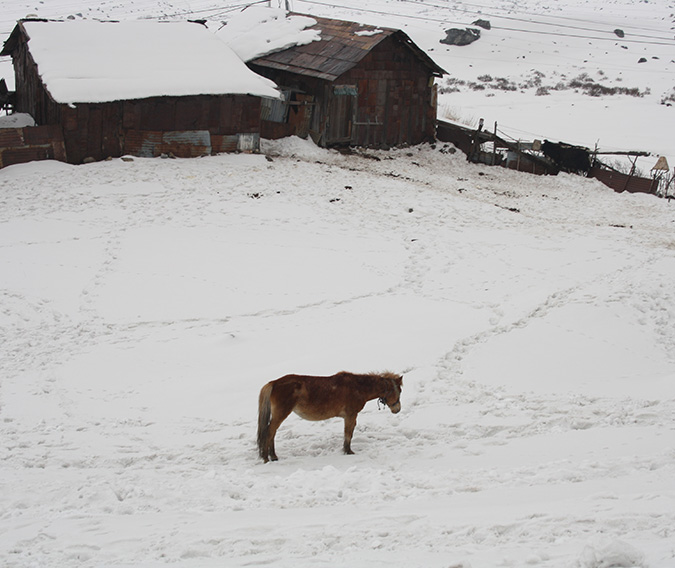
x=542 y=70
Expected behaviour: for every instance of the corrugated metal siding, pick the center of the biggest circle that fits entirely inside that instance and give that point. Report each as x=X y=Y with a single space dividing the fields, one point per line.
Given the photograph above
x=188 y=143
x=224 y=143
x=20 y=145
x=12 y=156
x=275 y=110
x=11 y=137
x=622 y=182
x=244 y=142
x=248 y=142
x=182 y=144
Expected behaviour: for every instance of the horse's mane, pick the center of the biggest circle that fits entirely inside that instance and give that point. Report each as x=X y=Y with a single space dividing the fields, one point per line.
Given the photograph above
x=384 y=375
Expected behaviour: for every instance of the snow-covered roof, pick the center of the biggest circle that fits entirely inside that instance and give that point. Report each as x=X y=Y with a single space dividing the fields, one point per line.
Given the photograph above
x=91 y=62
x=259 y=30
x=321 y=47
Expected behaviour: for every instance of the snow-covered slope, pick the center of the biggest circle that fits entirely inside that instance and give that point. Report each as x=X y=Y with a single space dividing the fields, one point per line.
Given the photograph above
x=144 y=303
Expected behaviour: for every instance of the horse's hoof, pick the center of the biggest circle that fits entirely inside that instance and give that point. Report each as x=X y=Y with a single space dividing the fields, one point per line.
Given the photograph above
x=274 y=458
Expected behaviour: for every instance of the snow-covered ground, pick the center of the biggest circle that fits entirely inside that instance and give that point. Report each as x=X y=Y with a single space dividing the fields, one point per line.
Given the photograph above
x=143 y=304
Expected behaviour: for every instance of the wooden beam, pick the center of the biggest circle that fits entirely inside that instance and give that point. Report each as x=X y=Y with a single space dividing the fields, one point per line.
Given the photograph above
x=638 y=153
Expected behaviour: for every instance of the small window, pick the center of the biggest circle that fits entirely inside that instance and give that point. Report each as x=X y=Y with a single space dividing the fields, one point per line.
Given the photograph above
x=345 y=90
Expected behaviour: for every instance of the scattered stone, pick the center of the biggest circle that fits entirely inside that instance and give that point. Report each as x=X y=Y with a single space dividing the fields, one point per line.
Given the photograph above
x=642 y=60
x=485 y=24
x=619 y=32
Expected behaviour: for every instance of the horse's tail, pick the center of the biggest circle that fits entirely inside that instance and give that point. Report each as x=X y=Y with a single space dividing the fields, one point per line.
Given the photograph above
x=264 y=416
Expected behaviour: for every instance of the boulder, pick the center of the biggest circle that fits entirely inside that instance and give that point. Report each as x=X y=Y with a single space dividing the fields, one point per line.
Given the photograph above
x=456 y=36
x=485 y=24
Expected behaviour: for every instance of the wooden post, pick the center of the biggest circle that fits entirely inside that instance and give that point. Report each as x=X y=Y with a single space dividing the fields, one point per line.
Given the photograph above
x=494 y=146
x=630 y=175
x=518 y=162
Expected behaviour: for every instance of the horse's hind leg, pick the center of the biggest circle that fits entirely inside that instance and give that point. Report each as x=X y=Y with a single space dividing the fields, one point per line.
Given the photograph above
x=350 y=424
x=278 y=416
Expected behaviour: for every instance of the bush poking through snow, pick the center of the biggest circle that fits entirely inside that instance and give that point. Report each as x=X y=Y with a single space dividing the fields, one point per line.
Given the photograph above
x=582 y=83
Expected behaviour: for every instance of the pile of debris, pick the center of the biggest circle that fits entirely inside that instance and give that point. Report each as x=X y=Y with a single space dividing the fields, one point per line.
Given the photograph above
x=537 y=157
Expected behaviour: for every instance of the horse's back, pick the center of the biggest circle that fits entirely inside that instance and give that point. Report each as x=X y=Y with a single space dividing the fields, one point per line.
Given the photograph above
x=312 y=397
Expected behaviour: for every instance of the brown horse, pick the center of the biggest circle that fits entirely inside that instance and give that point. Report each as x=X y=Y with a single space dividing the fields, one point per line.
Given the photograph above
x=320 y=398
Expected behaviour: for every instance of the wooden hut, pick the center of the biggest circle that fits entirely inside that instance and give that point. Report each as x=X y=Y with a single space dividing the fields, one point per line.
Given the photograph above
x=359 y=85
x=142 y=88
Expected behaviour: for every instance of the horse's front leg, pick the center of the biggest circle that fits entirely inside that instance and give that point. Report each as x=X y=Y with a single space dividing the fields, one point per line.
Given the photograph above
x=350 y=424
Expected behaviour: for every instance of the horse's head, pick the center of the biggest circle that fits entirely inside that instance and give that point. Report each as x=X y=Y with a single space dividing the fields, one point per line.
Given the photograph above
x=392 y=393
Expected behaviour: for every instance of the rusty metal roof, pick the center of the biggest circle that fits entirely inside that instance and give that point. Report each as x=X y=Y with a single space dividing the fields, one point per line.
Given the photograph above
x=342 y=46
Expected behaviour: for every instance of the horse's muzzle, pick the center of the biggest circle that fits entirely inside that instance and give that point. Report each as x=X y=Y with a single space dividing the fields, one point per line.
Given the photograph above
x=395 y=408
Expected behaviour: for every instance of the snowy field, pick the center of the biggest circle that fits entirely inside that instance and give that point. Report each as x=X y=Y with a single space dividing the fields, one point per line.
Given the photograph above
x=144 y=304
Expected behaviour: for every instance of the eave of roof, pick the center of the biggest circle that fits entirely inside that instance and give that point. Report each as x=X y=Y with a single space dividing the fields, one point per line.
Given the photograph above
x=13 y=40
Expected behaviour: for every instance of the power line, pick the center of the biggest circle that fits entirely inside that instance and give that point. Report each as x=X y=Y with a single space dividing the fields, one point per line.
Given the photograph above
x=219 y=11
x=529 y=21
x=550 y=16
x=214 y=11
x=446 y=21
